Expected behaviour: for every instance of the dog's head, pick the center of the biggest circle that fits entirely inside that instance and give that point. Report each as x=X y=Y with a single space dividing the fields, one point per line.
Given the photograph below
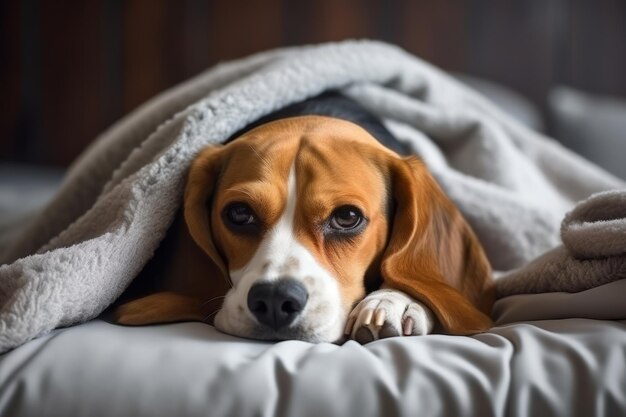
x=304 y=214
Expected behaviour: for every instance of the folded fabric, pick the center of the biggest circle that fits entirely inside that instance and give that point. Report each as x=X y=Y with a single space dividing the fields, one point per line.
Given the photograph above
x=118 y=199
x=593 y=251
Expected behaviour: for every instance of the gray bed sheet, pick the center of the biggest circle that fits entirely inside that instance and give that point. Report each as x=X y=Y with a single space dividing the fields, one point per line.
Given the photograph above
x=534 y=363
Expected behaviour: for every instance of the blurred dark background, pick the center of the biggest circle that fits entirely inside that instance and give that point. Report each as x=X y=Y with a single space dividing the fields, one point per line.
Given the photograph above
x=68 y=69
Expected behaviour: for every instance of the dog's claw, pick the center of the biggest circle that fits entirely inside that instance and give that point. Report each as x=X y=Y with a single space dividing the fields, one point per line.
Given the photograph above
x=379 y=318
x=368 y=317
x=407 y=327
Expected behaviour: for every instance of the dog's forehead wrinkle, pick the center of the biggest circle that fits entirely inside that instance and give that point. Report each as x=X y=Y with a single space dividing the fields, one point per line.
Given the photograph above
x=336 y=160
x=255 y=152
x=262 y=156
x=314 y=161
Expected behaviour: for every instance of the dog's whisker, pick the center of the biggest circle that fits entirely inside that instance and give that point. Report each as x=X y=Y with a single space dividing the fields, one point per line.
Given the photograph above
x=229 y=282
x=213 y=299
x=212 y=314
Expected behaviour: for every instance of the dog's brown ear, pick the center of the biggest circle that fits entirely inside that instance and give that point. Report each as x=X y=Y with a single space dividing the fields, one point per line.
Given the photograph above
x=433 y=255
x=201 y=184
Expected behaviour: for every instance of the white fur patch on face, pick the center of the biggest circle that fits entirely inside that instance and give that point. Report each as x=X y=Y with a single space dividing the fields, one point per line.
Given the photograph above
x=280 y=255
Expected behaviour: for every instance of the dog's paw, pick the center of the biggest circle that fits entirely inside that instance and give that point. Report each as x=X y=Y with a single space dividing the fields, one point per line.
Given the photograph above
x=132 y=313
x=386 y=313
x=163 y=307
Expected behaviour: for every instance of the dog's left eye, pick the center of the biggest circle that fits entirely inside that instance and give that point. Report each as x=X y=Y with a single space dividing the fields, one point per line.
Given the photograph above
x=240 y=214
x=346 y=218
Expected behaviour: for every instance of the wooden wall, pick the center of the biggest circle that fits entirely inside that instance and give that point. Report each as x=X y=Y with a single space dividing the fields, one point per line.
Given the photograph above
x=68 y=69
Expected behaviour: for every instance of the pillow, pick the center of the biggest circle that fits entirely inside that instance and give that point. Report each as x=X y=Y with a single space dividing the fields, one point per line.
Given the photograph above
x=591 y=125
x=24 y=189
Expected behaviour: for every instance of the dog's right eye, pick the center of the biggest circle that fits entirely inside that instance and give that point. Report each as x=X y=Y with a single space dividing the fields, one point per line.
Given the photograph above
x=240 y=214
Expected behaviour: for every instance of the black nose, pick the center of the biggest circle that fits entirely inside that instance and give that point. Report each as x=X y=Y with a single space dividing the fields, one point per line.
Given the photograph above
x=277 y=304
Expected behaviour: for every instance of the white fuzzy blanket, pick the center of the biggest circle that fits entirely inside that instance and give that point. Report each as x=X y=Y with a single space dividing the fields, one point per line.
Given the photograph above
x=119 y=197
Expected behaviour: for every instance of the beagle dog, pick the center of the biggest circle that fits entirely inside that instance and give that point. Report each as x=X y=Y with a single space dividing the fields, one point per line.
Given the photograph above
x=307 y=227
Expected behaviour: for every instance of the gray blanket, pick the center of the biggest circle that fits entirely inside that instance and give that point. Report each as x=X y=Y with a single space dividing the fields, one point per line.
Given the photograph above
x=118 y=199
